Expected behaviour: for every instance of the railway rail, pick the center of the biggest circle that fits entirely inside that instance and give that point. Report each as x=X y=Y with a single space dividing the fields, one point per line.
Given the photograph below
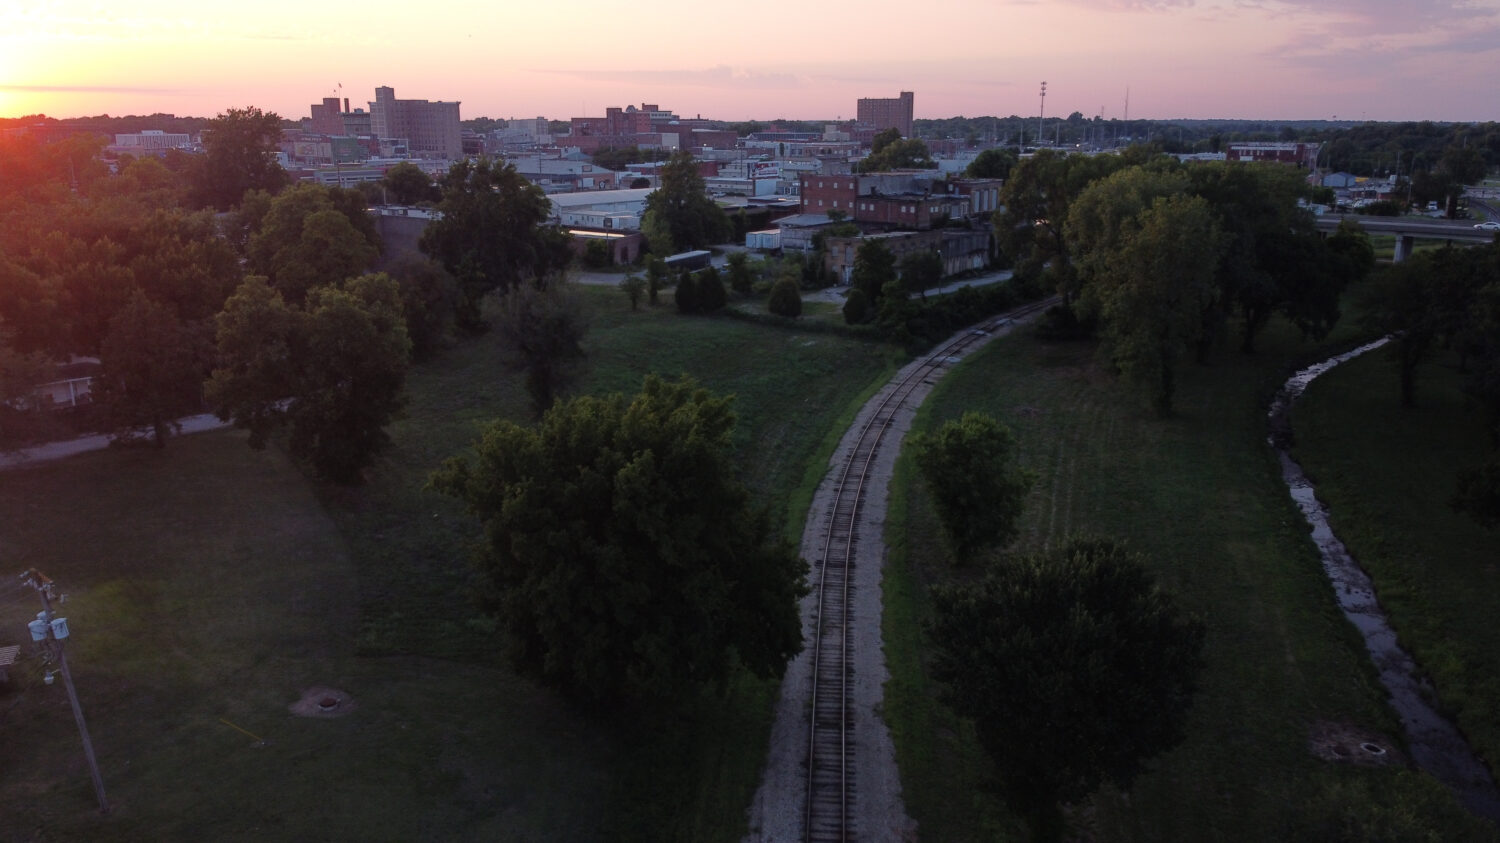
x=829 y=817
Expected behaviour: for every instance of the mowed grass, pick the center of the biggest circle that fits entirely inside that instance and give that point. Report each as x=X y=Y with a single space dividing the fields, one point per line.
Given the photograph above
x=1386 y=473
x=1199 y=495
x=207 y=584
x=210 y=581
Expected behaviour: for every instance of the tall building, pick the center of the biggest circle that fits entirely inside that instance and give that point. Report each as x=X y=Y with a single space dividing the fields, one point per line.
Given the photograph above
x=887 y=113
x=430 y=129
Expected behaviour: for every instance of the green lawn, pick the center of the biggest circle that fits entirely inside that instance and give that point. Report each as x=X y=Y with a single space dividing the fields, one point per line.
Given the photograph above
x=209 y=581
x=1386 y=474
x=1200 y=496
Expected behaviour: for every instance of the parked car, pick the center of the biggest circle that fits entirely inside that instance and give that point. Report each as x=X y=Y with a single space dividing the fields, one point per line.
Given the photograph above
x=1489 y=226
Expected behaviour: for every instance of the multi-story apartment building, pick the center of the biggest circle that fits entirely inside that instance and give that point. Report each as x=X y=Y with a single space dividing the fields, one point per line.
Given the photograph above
x=887 y=113
x=430 y=129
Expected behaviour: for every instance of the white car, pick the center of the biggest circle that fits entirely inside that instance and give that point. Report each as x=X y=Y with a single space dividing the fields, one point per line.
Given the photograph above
x=1489 y=226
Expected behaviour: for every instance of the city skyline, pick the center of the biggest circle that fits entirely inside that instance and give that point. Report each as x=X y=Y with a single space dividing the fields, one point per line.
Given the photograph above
x=1249 y=59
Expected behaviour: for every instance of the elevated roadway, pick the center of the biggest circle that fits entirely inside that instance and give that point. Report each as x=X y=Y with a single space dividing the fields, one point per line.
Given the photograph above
x=1408 y=229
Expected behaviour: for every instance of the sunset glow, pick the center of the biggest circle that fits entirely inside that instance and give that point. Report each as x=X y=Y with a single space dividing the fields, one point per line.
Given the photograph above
x=1286 y=59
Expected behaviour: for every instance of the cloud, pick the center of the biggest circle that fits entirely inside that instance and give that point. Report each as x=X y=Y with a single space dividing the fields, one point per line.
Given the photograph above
x=87 y=89
x=720 y=76
x=1122 y=5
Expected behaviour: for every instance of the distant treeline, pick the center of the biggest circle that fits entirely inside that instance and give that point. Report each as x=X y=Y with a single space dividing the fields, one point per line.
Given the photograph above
x=1360 y=148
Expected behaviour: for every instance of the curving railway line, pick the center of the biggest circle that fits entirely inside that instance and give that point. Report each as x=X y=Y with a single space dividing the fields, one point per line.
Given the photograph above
x=830 y=815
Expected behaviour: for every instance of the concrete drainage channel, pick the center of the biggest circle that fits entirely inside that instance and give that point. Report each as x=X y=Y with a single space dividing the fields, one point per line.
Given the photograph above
x=1436 y=744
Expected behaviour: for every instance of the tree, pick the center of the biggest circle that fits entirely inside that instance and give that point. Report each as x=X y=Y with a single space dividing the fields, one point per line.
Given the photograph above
x=681 y=208
x=656 y=277
x=491 y=235
x=408 y=184
x=920 y=271
x=711 y=295
x=1035 y=202
x=991 y=164
x=634 y=287
x=541 y=332
x=622 y=556
x=427 y=301
x=685 y=295
x=898 y=154
x=332 y=372
x=740 y=279
x=874 y=268
x=857 y=310
x=152 y=369
x=19 y=375
x=1153 y=295
x=239 y=154
x=785 y=299
x=309 y=236
x=1075 y=667
x=966 y=465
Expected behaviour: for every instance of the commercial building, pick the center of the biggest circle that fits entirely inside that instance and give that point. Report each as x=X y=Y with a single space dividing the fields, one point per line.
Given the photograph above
x=151 y=142
x=1304 y=155
x=430 y=129
x=912 y=199
x=885 y=114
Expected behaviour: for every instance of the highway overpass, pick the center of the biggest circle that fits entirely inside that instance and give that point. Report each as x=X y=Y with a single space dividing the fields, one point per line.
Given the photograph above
x=1408 y=229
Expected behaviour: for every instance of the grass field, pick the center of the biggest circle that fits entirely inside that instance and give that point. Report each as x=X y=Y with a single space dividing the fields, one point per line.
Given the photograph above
x=1386 y=474
x=209 y=581
x=1199 y=495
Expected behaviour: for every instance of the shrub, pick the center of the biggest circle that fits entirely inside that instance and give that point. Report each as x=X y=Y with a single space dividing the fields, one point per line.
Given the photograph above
x=786 y=299
x=856 y=307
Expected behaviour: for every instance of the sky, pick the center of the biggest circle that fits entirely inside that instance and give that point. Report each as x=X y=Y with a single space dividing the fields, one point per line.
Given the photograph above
x=1249 y=59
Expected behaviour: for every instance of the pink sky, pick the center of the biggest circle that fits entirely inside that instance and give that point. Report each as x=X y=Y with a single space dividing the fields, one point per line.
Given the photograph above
x=1274 y=59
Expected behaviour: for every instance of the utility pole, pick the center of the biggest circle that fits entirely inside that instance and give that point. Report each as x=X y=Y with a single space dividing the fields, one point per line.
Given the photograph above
x=50 y=633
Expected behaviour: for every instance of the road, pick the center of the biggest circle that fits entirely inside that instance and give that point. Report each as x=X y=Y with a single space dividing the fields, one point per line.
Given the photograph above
x=97 y=442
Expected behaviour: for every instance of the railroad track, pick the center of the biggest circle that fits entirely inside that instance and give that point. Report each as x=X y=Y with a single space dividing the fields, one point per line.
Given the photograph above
x=830 y=748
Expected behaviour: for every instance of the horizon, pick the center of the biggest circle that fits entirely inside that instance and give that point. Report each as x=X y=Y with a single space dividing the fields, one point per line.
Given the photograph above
x=1283 y=60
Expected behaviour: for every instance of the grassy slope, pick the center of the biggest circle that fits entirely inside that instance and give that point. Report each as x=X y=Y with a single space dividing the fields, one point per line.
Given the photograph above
x=1386 y=474
x=1199 y=495
x=207 y=581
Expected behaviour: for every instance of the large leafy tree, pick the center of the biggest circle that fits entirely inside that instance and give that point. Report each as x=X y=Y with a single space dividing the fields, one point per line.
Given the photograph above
x=239 y=148
x=978 y=494
x=332 y=373
x=621 y=555
x=310 y=236
x=896 y=154
x=992 y=164
x=152 y=371
x=408 y=184
x=1035 y=202
x=874 y=268
x=491 y=234
x=1075 y=668
x=1151 y=296
x=541 y=332
x=682 y=208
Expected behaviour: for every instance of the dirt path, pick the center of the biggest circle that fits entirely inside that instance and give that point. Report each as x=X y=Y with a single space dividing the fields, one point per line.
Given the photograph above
x=776 y=815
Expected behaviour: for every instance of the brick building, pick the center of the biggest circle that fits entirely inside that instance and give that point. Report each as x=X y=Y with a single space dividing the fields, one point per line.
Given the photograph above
x=1304 y=155
x=913 y=199
x=960 y=249
x=884 y=114
x=431 y=129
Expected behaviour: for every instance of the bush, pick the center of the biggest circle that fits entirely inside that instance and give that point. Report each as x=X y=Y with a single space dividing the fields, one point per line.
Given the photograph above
x=686 y=294
x=856 y=307
x=786 y=299
x=711 y=294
